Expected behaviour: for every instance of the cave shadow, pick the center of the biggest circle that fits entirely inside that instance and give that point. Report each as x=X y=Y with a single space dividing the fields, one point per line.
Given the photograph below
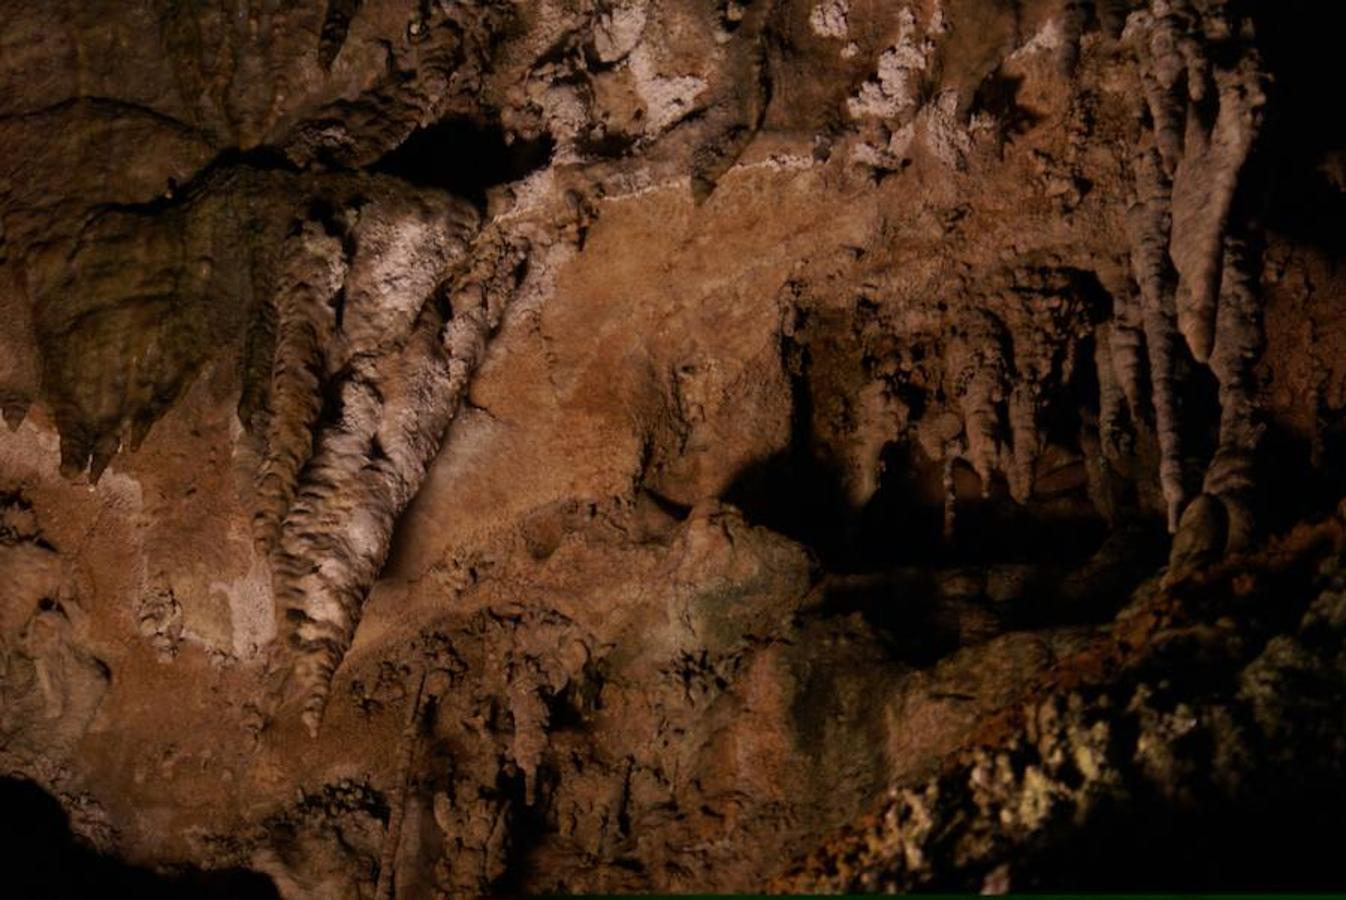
x=1273 y=839
x=885 y=560
x=465 y=157
x=998 y=96
x=1292 y=482
x=803 y=497
x=1050 y=562
x=1300 y=41
x=42 y=860
x=1288 y=189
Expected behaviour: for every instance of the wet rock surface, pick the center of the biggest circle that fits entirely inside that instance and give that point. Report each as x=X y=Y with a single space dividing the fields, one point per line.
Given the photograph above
x=656 y=445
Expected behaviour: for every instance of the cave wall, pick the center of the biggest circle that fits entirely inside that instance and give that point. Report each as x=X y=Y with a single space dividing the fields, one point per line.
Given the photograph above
x=608 y=445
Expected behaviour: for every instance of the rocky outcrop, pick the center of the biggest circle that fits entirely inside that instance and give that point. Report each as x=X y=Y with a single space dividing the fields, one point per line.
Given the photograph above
x=1114 y=743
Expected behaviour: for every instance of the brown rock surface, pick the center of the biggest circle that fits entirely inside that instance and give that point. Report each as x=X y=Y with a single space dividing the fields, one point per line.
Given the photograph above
x=624 y=445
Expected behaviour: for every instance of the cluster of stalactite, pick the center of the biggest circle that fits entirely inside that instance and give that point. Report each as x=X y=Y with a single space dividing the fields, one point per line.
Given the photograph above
x=1193 y=253
x=389 y=350
x=1192 y=299
x=382 y=303
x=369 y=325
x=1000 y=371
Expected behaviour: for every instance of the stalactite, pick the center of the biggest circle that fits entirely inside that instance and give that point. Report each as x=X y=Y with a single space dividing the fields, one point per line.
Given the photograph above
x=951 y=456
x=397 y=805
x=1203 y=194
x=976 y=370
x=1199 y=68
x=330 y=547
x=1238 y=342
x=1148 y=230
x=1125 y=346
x=1022 y=415
x=1098 y=474
x=313 y=270
x=1164 y=76
x=403 y=242
x=1047 y=320
x=366 y=469
x=979 y=402
x=1073 y=16
x=1111 y=398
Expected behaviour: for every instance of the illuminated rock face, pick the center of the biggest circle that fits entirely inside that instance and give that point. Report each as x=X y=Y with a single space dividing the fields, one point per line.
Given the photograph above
x=502 y=445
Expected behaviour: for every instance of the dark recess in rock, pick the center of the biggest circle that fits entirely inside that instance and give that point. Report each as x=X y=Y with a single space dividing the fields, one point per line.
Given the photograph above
x=43 y=860
x=466 y=158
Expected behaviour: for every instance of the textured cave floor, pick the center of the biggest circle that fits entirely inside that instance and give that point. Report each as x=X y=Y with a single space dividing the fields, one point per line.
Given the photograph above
x=536 y=447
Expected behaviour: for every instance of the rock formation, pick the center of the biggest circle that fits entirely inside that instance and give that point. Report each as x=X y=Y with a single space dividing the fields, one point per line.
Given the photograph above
x=627 y=445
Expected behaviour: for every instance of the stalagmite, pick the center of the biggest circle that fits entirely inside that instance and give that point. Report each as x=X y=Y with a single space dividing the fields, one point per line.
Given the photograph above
x=1200 y=539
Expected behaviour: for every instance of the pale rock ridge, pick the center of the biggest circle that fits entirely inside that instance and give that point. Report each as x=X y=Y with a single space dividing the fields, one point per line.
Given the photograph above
x=394 y=399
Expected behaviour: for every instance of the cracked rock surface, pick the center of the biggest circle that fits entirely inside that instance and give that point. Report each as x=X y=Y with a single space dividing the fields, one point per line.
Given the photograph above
x=628 y=445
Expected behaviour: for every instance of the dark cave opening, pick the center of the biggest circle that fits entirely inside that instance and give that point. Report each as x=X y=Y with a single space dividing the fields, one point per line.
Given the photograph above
x=889 y=560
x=465 y=157
x=1294 y=480
x=43 y=860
